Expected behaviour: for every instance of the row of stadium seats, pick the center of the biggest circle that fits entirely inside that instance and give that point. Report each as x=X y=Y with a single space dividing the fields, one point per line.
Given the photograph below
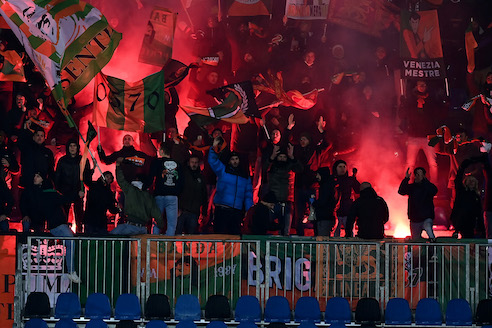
x=248 y=311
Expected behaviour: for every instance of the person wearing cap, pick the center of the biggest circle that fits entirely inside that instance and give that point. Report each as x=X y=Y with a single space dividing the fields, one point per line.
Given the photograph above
x=420 y=202
x=140 y=206
x=282 y=167
x=234 y=194
x=347 y=187
x=100 y=199
x=41 y=204
x=371 y=213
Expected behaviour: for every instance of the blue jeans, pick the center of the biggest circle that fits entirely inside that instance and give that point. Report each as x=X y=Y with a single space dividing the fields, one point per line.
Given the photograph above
x=126 y=229
x=170 y=204
x=64 y=231
x=417 y=227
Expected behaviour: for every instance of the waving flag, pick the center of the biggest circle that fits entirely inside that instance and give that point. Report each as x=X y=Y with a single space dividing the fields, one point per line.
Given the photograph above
x=229 y=110
x=137 y=106
x=69 y=41
x=12 y=68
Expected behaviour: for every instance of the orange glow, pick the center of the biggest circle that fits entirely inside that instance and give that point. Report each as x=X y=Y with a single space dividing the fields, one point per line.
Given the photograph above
x=402 y=230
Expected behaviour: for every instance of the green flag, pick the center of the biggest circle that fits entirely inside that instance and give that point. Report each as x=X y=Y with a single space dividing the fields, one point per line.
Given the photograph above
x=69 y=41
x=137 y=106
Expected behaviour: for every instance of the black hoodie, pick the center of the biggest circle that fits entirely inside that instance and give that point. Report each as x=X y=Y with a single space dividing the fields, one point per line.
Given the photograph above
x=67 y=174
x=371 y=212
x=326 y=202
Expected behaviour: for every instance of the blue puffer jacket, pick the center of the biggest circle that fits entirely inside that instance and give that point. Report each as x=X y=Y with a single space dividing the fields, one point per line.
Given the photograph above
x=232 y=190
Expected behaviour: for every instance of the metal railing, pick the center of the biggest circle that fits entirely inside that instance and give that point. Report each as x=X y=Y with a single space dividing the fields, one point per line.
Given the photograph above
x=422 y=270
x=287 y=267
x=202 y=267
x=108 y=266
x=322 y=269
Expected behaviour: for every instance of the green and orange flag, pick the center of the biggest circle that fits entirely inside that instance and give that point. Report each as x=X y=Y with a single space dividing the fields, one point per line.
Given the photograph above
x=137 y=106
x=69 y=41
x=12 y=68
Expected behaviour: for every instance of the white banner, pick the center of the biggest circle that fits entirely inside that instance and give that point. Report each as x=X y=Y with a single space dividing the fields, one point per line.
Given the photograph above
x=302 y=9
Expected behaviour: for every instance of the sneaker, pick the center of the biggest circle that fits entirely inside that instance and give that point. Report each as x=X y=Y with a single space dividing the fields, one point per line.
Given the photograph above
x=74 y=277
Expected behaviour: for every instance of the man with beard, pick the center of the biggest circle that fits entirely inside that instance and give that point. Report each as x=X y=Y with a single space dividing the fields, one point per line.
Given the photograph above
x=281 y=167
x=192 y=199
x=234 y=193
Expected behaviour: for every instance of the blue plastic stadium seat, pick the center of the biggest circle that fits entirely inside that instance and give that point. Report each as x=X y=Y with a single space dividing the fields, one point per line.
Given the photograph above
x=216 y=324
x=398 y=312
x=67 y=306
x=66 y=323
x=156 y=324
x=338 y=311
x=277 y=309
x=308 y=324
x=186 y=324
x=187 y=308
x=428 y=312
x=97 y=307
x=247 y=324
x=248 y=309
x=307 y=310
x=36 y=323
x=458 y=313
x=127 y=307
x=96 y=323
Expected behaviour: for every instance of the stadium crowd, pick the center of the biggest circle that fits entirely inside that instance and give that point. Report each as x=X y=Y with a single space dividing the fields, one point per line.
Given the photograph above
x=283 y=173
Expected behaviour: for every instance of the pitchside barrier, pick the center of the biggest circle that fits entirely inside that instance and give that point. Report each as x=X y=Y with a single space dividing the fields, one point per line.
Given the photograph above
x=108 y=266
x=262 y=266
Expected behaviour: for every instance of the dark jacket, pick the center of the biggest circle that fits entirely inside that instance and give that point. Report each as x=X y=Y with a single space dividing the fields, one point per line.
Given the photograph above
x=8 y=154
x=194 y=194
x=371 y=212
x=345 y=185
x=140 y=206
x=326 y=203
x=34 y=158
x=43 y=204
x=100 y=199
x=233 y=188
x=467 y=210
x=67 y=174
x=281 y=177
x=420 y=199
x=167 y=176
x=136 y=163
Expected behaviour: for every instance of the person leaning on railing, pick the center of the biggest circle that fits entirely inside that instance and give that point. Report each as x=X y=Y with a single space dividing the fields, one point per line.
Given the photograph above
x=140 y=206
